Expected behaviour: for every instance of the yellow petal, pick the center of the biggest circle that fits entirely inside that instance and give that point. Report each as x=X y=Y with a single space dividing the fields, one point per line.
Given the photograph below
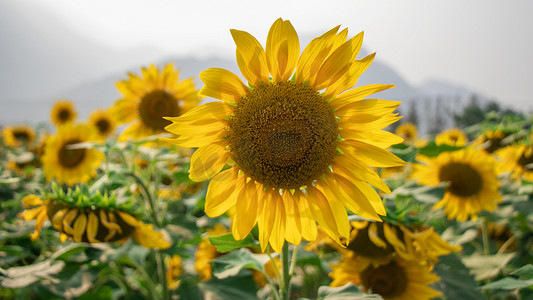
x=146 y=236
x=251 y=58
x=376 y=107
x=277 y=236
x=92 y=228
x=57 y=219
x=245 y=211
x=207 y=161
x=313 y=56
x=372 y=196
x=282 y=50
x=370 y=155
x=350 y=168
x=211 y=112
x=80 y=225
x=322 y=212
x=267 y=217
x=31 y=200
x=129 y=219
x=379 y=138
x=68 y=220
x=222 y=84
x=196 y=141
x=374 y=237
x=357 y=94
x=309 y=231
x=39 y=222
x=222 y=192
x=293 y=227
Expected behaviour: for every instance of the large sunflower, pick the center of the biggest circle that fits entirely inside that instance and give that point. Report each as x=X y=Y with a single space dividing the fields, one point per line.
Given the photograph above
x=150 y=97
x=471 y=180
x=396 y=280
x=63 y=112
x=67 y=159
x=297 y=154
x=18 y=136
x=104 y=123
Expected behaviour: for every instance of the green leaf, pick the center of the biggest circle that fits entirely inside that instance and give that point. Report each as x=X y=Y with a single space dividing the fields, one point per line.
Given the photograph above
x=226 y=242
x=429 y=194
x=508 y=283
x=231 y=288
x=525 y=271
x=232 y=263
x=455 y=279
x=432 y=150
x=487 y=266
x=73 y=249
x=345 y=292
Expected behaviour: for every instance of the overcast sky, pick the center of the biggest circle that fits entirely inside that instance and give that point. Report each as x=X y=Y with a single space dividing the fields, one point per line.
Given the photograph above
x=484 y=45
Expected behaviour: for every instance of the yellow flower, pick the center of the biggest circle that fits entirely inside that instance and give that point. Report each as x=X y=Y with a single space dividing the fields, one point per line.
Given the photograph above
x=67 y=159
x=396 y=280
x=518 y=160
x=63 y=113
x=18 y=136
x=299 y=146
x=90 y=225
x=452 y=137
x=491 y=140
x=174 y=272
x=407 y=131
x=150 y=97
x=104 y=123
x=471 y=180
x=206 y=252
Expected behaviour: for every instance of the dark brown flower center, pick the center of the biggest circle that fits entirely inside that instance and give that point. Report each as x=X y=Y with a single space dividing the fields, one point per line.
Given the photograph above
x=526 y=161
x=283 y=135
x=103 y=126
x=64 y=115
x=156 y=105
x=388 y=281
x=21 y=135
x=363 y=246
x=70 y=157
x=463 y=180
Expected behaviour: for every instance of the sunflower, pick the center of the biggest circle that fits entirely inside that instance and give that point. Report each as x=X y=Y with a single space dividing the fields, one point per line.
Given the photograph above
x=518 y=160
x=207 y=252
x=83 y=221
x=174 y=266
x=407 y=131
x=18 y=136
x=396 y=280
x=452 y=137
x=150 y=97
x=492 y=140
x=297 y=155
x=63 y=112
x=104 y=123
x=471 y=180
x=67 y=159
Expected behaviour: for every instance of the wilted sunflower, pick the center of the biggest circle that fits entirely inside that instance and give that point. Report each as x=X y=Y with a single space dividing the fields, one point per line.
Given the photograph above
x=298 y=155
x=63 y=113
x=518 y=160
x=150 y=97
x=18 y=136
x=90 y=219
x=396 y=280
x=104 y=123
x=471 y=180
x=452 y=137
x=67 y=159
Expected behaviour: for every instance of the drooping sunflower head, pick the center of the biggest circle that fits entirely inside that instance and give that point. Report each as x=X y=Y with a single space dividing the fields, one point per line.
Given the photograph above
x=68 y=158
x=470 y=177
x=147 y=98
x=492 y=140
x=103 y=122
x=290 y=136
x=63 y=112
x=18 y=136
x=452 y=137
x=375 y=240
x=400 y=280
x=90 y=218
x=408 y=131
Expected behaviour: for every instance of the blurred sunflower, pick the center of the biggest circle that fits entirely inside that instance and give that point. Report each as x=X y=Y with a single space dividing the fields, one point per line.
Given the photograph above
x=298 y=155
x=518 y=160
x=206 y=252
x=396 y=280
x=18 y=136
x=104 y=123
x=407 y=131
x=470 y=177
x=67 y=159
x=63 y=113
x=91 y=219
x=149 y=98
x=452 y=137
x=174 y=270
x=491 y=140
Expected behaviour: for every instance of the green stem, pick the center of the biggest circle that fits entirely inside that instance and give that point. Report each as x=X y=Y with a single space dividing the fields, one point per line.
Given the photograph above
x=163 y=274
x=285 y=277
x=149 y=197
x=485 y=236
x=276 y=270
x=152 y=291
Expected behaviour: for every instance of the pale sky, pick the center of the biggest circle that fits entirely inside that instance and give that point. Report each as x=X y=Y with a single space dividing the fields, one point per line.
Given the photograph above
x=484 y=45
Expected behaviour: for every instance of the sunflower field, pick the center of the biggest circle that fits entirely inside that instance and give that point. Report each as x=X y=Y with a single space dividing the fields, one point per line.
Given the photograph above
x=296 y=184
